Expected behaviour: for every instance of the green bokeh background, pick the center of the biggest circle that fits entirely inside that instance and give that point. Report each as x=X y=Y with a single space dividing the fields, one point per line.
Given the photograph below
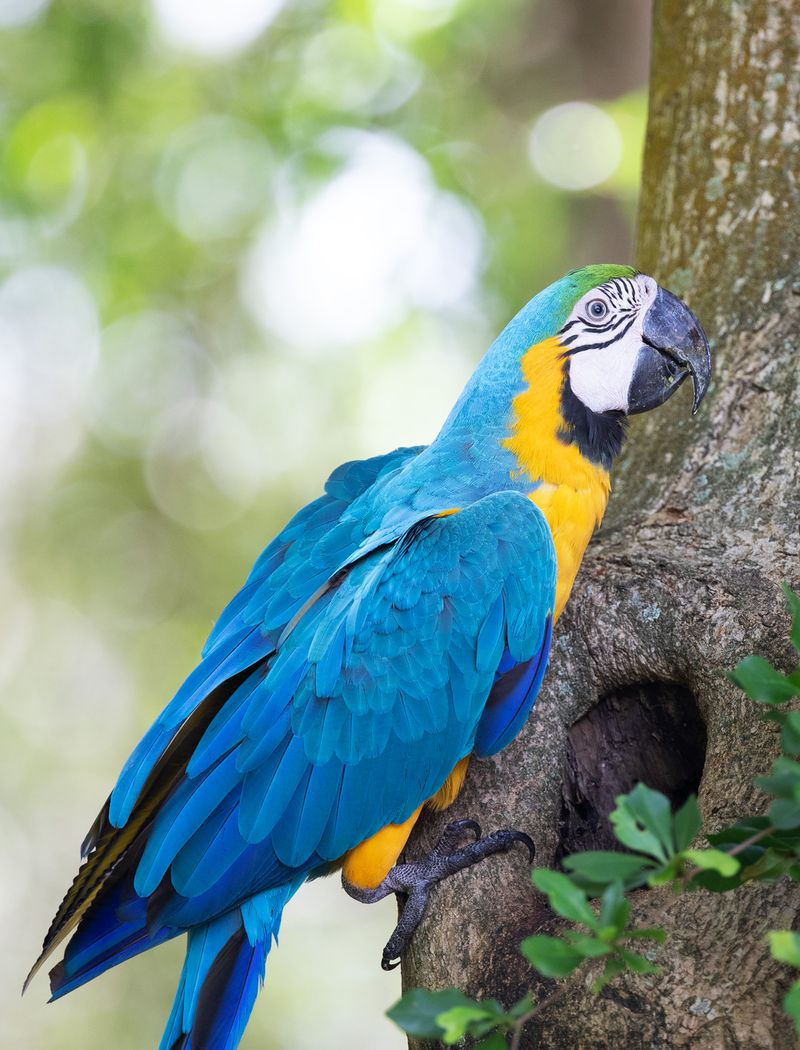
x=197 y=323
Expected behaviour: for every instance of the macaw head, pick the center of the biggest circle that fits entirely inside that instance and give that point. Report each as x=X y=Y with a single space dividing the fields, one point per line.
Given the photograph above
x=601 y=344
x=628 y=343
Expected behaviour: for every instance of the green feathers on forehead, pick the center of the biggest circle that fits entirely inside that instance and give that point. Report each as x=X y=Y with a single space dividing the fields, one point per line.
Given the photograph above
x=578 y=282
x=546 y=313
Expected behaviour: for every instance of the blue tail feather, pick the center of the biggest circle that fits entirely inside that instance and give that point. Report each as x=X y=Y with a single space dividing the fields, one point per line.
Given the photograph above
x=222 y=974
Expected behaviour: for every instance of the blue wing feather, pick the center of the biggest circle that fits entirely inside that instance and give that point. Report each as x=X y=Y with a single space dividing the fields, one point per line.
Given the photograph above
x=512 y=697
x=196 y=868
x=491 y=635
x=192 y=804
x=224 y=663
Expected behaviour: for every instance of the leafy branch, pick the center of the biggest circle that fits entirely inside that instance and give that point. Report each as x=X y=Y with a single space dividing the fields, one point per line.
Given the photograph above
x=592 y=893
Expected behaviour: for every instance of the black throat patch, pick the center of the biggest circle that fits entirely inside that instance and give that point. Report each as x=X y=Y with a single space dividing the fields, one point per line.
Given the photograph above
x=598 y=435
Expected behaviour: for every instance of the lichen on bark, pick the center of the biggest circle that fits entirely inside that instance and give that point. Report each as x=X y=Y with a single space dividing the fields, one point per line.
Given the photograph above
x=682 y=581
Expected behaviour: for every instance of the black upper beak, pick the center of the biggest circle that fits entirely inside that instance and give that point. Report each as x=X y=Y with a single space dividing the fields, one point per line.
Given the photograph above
x=674 y=347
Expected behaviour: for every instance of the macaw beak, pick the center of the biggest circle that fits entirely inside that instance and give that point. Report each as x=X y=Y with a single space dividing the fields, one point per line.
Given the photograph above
x=674 y=346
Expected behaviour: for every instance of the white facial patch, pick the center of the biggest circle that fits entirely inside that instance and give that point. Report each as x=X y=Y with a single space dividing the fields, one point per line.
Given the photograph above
x=602 y=336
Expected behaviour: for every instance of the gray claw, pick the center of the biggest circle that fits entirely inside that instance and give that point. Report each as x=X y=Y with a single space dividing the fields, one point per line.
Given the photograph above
x=454 y=835
x=526 y=840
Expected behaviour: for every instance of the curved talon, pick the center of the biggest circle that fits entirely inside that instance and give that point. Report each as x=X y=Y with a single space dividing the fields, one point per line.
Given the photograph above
x=526 y=840
x=465 y=825
x=454 y=835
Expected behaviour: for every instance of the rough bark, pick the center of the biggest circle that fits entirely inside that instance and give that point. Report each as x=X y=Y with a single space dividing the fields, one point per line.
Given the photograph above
x=681 y=582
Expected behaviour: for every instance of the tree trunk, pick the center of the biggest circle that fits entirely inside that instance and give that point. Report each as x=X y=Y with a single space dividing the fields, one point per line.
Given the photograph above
x=679 y=585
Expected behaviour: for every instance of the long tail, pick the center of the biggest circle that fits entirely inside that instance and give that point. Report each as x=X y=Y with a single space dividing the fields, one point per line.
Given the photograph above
x=222 y=974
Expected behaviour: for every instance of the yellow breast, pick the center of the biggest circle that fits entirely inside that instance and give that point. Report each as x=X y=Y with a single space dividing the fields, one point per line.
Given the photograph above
x=573 y=491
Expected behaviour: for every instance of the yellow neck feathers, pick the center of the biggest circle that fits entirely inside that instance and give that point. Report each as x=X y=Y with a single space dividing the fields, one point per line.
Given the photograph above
x=572 y=491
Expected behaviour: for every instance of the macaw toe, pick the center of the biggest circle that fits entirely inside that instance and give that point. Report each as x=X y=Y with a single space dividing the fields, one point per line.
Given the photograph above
x=450 y=855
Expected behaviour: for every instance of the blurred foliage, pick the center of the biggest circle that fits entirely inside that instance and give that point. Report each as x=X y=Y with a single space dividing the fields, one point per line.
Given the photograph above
x=240 y=243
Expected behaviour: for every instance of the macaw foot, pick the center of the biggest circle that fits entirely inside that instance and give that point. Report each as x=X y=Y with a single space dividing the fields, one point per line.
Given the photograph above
x=459 y=847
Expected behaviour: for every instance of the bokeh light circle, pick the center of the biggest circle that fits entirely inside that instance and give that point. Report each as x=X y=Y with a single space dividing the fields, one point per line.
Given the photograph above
x=343 y=68
x=93 y=689
x=55 y=319
x=202 y=466
x=575 y=146
x=376 y=241
x=407 y=18
x=215 y=175
x=20 y=12
x=150 y=361
x=49 y=333
x=214 y=29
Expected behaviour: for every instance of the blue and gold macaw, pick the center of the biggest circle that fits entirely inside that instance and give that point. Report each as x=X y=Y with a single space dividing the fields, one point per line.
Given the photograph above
x=397 y=626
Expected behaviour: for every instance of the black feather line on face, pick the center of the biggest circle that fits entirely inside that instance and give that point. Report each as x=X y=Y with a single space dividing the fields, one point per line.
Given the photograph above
x=624 y=301
x=598 y=435
x=571 y=350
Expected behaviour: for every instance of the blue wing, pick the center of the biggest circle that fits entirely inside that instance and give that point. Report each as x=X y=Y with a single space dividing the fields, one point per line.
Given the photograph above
x=300 y=559
x=359 y=715
x=367 y=706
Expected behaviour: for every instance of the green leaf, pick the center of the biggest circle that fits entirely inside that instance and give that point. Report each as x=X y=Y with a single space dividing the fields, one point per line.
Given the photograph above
x=614 y=911
x=738 y=832
x=587 y=945
x=760 y=680
x=666 y=874
x=687 y=823
x=492 y=1042
x=714 y=882
x=612 y=969
x=745 y=829
x=643 y=822
x=605 y=866
x=551 y=956
x=783 y=781
x=794 y=608
x=785 y=946
x=715 y=860
x=652 y=933
x=790 y=731
x=456 y=1021
x=496 y=1016
x=418 y=1009
x=770 y=865
x=791 y=1004
x=565 y=897
x=785 y=813
x=522 y=1007
x=637 y=963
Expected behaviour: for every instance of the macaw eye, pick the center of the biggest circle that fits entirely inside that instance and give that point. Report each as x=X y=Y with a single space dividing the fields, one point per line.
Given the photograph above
x=597 y=309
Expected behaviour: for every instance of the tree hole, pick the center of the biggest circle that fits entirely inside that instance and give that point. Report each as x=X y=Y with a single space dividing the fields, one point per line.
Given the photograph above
x=650 y=732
